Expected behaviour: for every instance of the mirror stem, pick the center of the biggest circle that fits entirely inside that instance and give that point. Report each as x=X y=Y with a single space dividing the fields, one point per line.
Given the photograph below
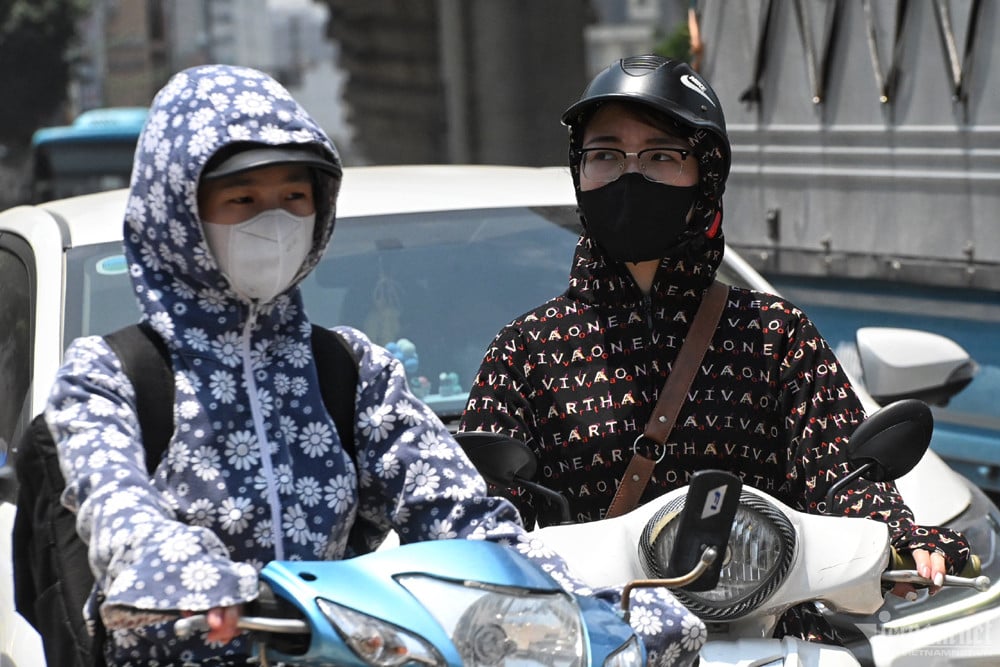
x=844 y=481
x=550 y=495
x=707 y=558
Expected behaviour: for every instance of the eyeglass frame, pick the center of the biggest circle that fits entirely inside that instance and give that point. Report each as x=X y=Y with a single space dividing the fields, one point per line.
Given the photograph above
x=683 y=152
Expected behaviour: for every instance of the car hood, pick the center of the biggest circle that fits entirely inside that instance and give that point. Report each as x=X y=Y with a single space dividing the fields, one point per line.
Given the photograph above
x=934 y=491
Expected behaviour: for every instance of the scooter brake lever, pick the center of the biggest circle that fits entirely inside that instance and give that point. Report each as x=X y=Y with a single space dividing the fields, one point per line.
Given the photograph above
x=980 y=583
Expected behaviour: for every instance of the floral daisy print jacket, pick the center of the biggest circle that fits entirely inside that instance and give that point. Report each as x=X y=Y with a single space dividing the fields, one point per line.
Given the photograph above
x=255 y=470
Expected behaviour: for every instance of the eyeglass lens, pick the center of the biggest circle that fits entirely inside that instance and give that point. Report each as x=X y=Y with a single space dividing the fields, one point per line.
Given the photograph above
x=661 y=165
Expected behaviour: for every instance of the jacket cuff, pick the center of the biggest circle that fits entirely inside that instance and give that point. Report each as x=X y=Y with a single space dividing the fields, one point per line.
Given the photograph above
x=949 y=543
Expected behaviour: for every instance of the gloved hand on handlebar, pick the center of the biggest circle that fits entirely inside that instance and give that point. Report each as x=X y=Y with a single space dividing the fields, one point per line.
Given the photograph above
x=935 y=552
x=930 y=565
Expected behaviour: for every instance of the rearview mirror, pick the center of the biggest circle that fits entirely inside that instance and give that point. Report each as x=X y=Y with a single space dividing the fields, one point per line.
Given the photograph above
x=706 y=522
x=888 y=444
x=894 y=439
x=501 y=460
x=909 y=363
x=507 y=462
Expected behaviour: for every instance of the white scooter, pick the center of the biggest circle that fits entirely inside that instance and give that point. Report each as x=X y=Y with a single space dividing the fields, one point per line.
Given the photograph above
x=740 y=559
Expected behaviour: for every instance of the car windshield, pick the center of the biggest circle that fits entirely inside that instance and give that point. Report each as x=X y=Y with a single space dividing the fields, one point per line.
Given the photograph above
x=444 y=281
x=433 y=287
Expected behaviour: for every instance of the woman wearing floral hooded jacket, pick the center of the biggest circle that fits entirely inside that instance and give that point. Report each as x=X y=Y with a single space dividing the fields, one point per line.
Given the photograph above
x=578 y=377
x=232 y=203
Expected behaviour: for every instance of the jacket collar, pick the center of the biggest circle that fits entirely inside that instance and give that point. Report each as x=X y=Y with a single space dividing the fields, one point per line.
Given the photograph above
x=603 y=283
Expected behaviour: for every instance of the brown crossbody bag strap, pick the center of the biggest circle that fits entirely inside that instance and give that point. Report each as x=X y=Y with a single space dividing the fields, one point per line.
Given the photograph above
x=674 y=393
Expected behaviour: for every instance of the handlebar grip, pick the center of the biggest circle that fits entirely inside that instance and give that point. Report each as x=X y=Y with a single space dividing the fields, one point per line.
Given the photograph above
x=904 y=561
x=190 y=625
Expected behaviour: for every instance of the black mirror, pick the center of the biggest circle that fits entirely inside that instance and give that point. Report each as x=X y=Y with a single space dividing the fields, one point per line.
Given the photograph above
x=706 y=522
x=894 y=439
x=501 y=460
x=888 y=444
x=507 y=462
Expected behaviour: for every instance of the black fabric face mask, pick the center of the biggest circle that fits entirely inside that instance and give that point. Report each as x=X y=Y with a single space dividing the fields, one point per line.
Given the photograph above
x=634 y=219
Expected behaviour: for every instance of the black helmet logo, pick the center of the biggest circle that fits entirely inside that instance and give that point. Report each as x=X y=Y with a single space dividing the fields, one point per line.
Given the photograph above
x=690 y=82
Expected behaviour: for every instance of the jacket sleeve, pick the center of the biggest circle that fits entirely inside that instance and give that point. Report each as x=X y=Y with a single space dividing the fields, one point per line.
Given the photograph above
x=499 y=402
x=821 y=411
x=416 y=477
x=413 y=476
x=131 y=530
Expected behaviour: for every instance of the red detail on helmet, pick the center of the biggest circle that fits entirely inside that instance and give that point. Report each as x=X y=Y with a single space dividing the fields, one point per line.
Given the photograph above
x=713 y=229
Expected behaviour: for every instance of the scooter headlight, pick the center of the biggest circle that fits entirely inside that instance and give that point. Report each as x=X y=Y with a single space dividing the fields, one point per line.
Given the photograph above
x=496 y=627
x=758 y=555
x=378 y=643
x=629 y=655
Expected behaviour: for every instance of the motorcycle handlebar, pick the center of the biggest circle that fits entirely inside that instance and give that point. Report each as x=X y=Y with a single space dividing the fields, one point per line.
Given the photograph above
x=190 y=625
x=268 y=613
x=902 y=569
x=904 y=561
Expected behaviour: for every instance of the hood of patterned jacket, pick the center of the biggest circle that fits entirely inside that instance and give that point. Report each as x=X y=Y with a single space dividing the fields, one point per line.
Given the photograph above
x=606 y=284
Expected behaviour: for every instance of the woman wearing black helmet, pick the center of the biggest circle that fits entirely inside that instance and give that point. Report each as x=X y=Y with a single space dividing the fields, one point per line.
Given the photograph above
x=578 y=377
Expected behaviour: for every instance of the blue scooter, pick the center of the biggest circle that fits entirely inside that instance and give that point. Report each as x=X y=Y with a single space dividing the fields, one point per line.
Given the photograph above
x=444 y=603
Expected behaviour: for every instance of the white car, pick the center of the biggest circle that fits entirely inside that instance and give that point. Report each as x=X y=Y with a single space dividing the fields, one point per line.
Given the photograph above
x=432 y=260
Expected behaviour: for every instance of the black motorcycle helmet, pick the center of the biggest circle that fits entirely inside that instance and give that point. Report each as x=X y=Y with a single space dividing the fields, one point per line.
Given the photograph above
x=671 y=88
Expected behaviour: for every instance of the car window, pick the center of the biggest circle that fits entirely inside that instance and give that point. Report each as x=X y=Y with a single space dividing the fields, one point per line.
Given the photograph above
x=433 y=287
x=16 y=338
x=99 y=296
x=446 y=282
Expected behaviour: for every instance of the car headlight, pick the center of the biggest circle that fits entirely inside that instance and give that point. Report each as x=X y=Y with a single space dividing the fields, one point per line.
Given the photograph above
x=378 y=643
x=758 y=555
x=497 y=627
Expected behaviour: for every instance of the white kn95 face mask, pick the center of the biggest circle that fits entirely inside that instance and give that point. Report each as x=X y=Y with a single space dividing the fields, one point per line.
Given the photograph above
x=262 y=255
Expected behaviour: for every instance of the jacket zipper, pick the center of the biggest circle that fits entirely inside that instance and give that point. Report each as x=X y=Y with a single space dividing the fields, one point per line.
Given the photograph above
x=273 y=498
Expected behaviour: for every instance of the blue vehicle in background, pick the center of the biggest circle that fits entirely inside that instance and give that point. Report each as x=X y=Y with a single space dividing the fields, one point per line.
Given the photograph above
x=92 y=155
x=966 y=425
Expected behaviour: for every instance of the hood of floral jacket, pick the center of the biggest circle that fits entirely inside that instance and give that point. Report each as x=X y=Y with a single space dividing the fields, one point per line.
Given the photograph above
x=234 y=360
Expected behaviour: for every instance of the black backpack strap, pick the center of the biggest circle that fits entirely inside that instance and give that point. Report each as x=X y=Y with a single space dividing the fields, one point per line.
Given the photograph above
x=146 y=361
x=338 y=381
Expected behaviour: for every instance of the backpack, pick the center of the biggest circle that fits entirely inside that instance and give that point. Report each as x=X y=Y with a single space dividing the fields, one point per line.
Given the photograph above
x=52 y=577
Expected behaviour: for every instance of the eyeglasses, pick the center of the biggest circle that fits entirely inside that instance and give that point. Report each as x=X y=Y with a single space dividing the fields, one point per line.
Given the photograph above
x=660 y=165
